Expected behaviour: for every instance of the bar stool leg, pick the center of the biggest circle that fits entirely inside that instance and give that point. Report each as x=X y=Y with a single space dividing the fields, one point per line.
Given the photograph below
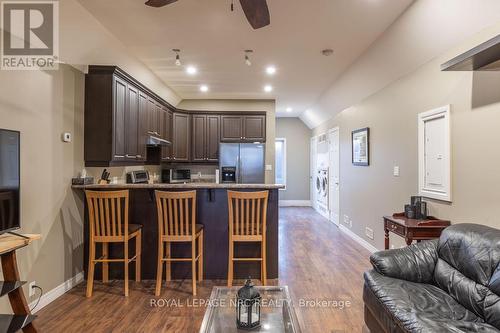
x=193 y=264
x=105 y=265
x=159 y=268
x=200 y=260
x=126 y=267
x=90 y=278
x=168 y=263
x=230 y=264
x=263 y=263
x=138 y=250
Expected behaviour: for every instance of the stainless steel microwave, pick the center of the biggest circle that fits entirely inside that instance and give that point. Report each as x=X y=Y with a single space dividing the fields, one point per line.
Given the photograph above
x=175 y=176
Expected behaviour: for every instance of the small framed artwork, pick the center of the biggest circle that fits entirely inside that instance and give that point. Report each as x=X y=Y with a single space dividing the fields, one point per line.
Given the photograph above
x=361 y=146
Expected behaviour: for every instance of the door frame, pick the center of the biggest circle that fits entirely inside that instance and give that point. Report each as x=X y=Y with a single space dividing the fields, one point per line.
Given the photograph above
x=334 y=196
x=312 y=169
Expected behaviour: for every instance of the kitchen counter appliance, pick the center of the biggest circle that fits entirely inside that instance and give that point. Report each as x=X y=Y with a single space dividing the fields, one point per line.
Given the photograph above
x=138 y=177
x=171 y=176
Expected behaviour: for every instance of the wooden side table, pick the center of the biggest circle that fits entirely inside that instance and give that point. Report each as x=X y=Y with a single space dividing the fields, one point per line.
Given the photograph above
x=22 y=319
x=412 y=229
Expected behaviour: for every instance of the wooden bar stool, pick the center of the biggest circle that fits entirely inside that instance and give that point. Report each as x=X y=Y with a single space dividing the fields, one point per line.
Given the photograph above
x=177 y=223
x=108 y=217
x=247 y=223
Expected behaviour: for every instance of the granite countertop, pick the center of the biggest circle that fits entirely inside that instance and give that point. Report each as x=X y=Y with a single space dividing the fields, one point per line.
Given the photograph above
x=187 y=186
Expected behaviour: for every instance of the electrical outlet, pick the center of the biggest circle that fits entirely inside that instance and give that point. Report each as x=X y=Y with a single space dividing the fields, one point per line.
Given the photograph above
x=32 y=289
x=347 y=221
x=369 y=232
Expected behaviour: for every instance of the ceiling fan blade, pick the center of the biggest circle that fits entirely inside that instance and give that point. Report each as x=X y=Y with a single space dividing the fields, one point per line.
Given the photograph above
x=159 y=3
x=257 y=12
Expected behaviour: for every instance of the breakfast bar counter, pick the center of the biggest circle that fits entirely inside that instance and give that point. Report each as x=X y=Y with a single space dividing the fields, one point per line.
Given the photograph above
x=211 y=211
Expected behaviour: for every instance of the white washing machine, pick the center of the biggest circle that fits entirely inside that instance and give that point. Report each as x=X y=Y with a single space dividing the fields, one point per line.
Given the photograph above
x=322 y=191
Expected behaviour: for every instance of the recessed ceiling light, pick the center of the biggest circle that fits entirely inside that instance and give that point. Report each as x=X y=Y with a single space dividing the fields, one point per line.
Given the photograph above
x=270 y=70
x=268 y=88
x=191 y=70
x=289 y=109
x=203 y=88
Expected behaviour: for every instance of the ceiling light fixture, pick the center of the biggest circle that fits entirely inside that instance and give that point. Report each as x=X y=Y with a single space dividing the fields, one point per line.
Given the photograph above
x=271 y=70
x=289 y=109
x=268 y=88
x=203 y=88
x=247 y=58
x=177 y=57
x=191 y=70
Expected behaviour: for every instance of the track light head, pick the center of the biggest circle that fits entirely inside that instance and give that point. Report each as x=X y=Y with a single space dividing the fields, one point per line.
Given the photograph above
x=177 y=57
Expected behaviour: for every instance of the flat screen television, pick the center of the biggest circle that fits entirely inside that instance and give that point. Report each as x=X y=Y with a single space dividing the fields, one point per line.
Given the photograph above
x=10 y=217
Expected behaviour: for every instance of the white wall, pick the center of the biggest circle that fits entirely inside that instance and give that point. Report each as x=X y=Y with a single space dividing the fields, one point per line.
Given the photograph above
x=297 y=136
x=368 y=193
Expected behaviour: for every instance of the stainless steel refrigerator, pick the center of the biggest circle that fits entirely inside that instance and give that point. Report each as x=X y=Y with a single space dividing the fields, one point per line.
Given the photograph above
x=247 y=158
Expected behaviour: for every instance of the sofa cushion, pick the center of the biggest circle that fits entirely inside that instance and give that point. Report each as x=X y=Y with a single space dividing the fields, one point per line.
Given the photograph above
x=419 y=307
x=472 y=249
x=467 y=268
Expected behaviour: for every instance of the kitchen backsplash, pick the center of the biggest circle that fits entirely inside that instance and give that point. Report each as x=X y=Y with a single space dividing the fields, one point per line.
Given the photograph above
x=202 y=173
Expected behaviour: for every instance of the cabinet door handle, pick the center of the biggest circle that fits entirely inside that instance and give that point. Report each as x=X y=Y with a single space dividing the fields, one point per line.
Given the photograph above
x=130 y=156
x=120 y=156
x=138 y=156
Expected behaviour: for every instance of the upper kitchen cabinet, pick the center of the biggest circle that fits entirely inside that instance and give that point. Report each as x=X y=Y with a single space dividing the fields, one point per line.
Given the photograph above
x=231 y=128
x=120 y=116
x=205 y=138
x=243 y=128
x=181 y=137
x=167 y=131
x=254 y=128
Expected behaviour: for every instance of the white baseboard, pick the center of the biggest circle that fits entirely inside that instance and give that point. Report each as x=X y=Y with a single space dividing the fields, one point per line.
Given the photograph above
x=295 y=203
x=52 y=295
x=358 y=239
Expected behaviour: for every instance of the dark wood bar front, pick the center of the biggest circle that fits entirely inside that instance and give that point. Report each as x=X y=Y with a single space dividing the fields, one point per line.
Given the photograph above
x=212 y=212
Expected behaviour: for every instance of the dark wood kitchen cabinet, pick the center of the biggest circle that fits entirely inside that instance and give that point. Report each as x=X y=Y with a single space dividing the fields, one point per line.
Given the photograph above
x=132 y=124
x=242 y=128
x=119 y=119
x=231 y=128
x=213 y=138
x=254 y=128
x=143 y=126
x=205 y=138
x=121 y=114
x=167 y=123
x=181 y=137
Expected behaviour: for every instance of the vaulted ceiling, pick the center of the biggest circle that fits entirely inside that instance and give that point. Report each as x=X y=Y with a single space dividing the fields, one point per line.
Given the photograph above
x=213 y=39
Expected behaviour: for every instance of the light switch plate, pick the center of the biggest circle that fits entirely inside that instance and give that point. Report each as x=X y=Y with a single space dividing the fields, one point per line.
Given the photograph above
x=396 y=171
x=269 y=167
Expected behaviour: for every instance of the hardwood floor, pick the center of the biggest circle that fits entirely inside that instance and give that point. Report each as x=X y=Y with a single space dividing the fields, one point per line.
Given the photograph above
x=317 y=262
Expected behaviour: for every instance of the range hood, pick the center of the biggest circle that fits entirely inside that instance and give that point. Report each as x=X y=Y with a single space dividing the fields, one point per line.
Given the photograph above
x=484 y=57
x=155 y=140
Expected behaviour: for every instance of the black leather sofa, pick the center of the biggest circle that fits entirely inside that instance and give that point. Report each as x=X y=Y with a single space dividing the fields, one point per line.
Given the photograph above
x=451 y=284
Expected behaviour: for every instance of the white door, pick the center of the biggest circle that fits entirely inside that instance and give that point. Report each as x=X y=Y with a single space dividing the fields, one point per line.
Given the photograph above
x=312 y=179
x=334 y=174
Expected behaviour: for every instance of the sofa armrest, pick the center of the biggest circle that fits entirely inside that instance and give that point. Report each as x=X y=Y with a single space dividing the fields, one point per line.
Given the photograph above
x=412 y=263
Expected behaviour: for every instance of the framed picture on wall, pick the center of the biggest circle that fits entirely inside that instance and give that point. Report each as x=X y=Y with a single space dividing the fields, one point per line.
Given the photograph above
x=361 y=146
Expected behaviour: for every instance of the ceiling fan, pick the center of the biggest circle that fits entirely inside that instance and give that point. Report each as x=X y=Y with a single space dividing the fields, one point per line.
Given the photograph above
x=256 y=11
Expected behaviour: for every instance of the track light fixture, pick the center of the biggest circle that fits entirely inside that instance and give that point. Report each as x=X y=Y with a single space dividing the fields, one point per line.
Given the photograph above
x=177 y=57
x=247 y=58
